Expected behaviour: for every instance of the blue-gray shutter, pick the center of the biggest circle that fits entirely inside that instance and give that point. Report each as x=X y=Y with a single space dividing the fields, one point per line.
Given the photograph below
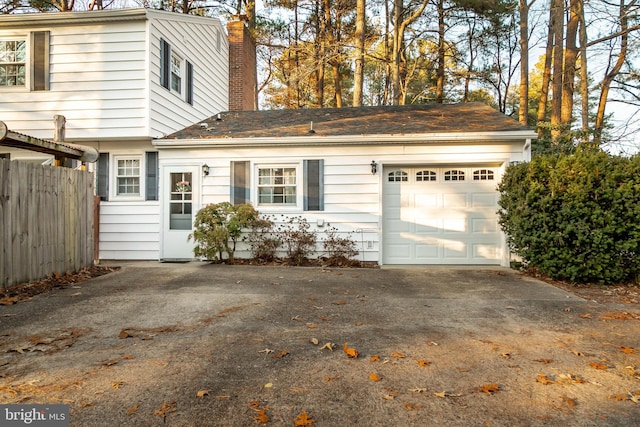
x=240 y=183
x=102 y=186
x=189 y=83
x=39 y=60
x=165 y=63
x=313 y=171
x=151 y=182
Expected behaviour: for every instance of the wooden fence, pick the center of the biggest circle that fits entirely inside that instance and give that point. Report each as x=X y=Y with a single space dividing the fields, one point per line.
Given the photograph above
x=46 y=221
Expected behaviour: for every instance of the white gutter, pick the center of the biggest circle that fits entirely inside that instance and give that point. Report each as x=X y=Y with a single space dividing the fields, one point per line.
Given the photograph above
x=343 y=140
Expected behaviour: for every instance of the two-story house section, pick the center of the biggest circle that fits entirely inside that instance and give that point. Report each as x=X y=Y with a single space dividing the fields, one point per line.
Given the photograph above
x=121 y=78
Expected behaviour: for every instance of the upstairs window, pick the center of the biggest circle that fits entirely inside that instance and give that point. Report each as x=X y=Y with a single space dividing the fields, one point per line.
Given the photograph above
x=13 y=62
x=176 y=73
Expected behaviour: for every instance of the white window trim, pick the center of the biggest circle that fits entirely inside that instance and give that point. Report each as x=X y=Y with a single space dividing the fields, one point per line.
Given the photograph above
x=113 y=173
x=27 y=63
x=276 y=207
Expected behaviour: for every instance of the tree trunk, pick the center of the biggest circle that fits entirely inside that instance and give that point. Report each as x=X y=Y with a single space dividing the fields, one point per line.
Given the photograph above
x=584 y=76
x=611 y=74
x=523 y=113
x=358 y=75
x=570 y=60
x=557 y=8
x=440 y=71
x=546 y=78
x=321 y=46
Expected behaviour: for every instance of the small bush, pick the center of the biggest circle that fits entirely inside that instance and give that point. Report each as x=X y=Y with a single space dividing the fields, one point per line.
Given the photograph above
x=263 y=240
x=338 y=249
x=218 y=227
x=298 y=239
x=575 y=217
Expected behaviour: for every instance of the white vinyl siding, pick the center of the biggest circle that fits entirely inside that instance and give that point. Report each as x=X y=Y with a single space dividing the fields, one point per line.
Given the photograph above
x=130 y=230
x=171 y=110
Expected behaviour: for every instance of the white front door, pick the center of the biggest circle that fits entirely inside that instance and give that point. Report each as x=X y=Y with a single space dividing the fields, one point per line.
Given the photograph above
x=180 y=202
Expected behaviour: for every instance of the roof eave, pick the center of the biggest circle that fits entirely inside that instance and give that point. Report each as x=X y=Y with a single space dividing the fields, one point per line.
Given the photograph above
x=66 y=18
x=342 y=140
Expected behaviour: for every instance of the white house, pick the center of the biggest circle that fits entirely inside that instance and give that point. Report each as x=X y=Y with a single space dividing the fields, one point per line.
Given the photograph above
x=413 y=184
x=121 y=78
x=169 y=99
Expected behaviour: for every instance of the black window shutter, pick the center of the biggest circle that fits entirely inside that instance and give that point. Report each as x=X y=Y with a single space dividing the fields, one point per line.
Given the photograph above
x=189 y=94
x=240 y=182
x=313 y=185
x=165 y=62
x=152 y=175
x=102 y=186
x=40 y=60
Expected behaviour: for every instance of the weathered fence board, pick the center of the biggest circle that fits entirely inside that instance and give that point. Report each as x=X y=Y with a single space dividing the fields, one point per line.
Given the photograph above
x=46 y=221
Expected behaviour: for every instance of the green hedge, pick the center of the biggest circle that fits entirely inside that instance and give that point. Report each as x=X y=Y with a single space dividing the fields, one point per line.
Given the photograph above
x=575 y=217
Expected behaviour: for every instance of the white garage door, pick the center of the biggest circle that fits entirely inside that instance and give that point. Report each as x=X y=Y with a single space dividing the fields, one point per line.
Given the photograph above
x=441 y=215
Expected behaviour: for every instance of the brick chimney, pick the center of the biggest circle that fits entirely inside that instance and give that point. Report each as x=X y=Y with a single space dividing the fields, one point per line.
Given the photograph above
x=243 y=74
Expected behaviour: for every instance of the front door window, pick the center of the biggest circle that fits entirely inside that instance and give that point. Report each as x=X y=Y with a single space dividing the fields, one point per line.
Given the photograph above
x=181 y=201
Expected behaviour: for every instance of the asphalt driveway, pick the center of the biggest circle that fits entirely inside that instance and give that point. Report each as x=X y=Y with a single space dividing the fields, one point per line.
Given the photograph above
x=213 y=345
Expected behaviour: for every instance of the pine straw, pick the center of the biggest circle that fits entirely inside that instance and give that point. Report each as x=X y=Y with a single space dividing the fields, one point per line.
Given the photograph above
x=29 y=391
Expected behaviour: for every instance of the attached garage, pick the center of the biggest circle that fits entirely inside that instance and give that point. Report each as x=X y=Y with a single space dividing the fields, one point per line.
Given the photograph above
x=443 y=214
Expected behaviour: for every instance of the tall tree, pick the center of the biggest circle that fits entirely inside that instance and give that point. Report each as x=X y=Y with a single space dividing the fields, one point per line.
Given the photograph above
x=359 y=38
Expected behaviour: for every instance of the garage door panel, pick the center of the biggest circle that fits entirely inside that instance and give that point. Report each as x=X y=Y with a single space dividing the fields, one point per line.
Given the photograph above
x=484 y=251
x=484 y=200
x=427 y=252
x=399 y=251
x=454 y=225
x=482 y=226
x=454 y=200
x=454 y=249
x=427 y=201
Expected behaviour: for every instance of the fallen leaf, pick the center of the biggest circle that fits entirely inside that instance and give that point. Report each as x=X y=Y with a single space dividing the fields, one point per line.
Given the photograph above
x=327 y=379
x=408 y=406
x=586 y=316
x=398 y=355
x=324 y=318
x=374 y=358
x=340 y=303
x=202 y=393
x=418 y=390
x=506 y=355
x=328 y=346
x=627 y=350
x=165 y=408
x=577 y=353
x=351 y=352
x=597 y=365
x=446 y=394
x=619 y=397
x=266 y=351
x=570 y=401
x=132 y=409
x=432 y=343
x=303 y=419
x=117 y=384
x=424 y=363
x=268 y=385
x=282 y=354
x=124 y=334
x=312 y=325
x=545 y=361
x=387 y=397
x=111 y=362
x=374 y=377
x=489 y=388
x=314 y=341
x=261 y=416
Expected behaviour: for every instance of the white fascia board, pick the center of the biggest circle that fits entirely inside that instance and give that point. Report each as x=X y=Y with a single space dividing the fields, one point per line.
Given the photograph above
x=71 y=18
x=473 y=137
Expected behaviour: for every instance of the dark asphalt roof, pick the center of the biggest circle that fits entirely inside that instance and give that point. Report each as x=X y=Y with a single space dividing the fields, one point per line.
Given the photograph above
x=384 y=120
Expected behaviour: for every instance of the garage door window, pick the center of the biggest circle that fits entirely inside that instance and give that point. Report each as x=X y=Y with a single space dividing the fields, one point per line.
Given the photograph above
x=454 y=175
x=398 y=176
x=483 y=175
x=426 y=175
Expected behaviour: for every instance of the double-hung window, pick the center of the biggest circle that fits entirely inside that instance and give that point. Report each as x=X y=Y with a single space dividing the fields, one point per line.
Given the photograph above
x=128 y=176
x=176 y=73
x=277 y=185
x=13 y=62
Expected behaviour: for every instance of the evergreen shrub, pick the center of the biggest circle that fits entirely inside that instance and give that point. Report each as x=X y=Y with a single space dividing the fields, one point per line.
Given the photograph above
x=575 y=217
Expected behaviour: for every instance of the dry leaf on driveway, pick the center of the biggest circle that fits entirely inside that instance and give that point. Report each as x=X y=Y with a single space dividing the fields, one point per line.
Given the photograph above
x=351 y=352
x=303 y=419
